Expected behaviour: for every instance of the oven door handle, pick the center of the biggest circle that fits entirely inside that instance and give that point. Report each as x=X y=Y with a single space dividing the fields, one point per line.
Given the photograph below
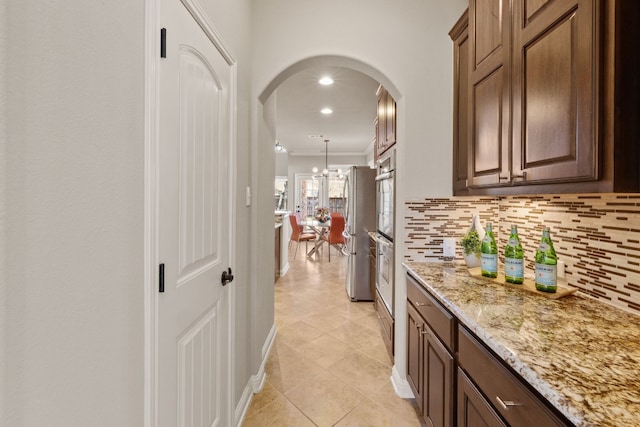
x=382 y=242
x=384 y=176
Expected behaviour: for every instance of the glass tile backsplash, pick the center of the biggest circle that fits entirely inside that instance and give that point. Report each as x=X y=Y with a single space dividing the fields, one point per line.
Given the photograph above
x=596 y=235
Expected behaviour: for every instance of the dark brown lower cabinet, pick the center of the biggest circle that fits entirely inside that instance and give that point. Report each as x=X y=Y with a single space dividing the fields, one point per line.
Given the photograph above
x=472 y=389
x=277 y=254
x=372 y=266
x=507 y=393
x=430 y=371
x=415 y=364
x=473 y=409
x=386 y=322
x=438 y=382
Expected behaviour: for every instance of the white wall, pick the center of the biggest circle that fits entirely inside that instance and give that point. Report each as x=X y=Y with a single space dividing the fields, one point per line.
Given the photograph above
x=403 y=44
x=74 y=210
x=73 y=228
x=282 y=164
x=3 y=178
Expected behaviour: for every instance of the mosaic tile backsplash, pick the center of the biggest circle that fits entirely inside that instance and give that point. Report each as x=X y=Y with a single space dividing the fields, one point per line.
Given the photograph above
x=596 y=235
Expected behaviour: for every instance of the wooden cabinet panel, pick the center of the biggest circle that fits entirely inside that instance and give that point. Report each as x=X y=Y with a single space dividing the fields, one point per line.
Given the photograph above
x=559 y=82
x=390 y=125
x=533 y=6
x=554 y=76
x=439 y=371
x=414 y=354
x=489 y=92
x=381 y=133
x=386 y=122
x=372 y=266
x=490 y=142
x=461 y=54
x=488 y=29
x=386 y=322
x=430 y=362
x=441 y=322
x=510 y=398
x=473 y=409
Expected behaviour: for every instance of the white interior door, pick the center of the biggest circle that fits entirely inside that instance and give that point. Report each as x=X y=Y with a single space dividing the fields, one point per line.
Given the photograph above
x=194 y=225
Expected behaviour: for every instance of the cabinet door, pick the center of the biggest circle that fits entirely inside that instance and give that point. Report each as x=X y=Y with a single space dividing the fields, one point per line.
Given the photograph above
x=489 y=92
x=473 y=409
x=414 y=353
x=381 y=135
x=460 y=36
x=438 y=377
x=554 y=91
x=390 y=118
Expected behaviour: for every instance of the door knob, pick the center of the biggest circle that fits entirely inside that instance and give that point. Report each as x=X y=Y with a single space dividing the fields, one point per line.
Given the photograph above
x=226 y=277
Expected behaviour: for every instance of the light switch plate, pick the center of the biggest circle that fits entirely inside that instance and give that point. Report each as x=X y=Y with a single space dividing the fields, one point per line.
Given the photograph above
x=449 y=247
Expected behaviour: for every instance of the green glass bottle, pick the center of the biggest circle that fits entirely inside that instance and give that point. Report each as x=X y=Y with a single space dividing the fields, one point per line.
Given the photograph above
x=514 y=258
x=489 y=254
x=546 y=264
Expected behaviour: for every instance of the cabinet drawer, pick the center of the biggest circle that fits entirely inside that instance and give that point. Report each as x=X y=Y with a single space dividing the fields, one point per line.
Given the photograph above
x=501 y=387
x=438 y=318
x=386 y=322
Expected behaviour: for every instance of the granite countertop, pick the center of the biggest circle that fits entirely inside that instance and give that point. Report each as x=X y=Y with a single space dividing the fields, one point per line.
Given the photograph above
x=582 y=355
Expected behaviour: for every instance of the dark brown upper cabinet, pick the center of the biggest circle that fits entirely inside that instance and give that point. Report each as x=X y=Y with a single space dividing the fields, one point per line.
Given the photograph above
x=385 y=123
x=460 y=36
x=553 y=97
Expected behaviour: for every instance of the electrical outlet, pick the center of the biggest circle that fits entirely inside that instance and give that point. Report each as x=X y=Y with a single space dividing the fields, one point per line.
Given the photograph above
x=561 y=272
x=449 y=247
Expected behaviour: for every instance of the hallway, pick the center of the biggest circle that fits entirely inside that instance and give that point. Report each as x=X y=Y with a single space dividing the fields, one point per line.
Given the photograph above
x=328 y=365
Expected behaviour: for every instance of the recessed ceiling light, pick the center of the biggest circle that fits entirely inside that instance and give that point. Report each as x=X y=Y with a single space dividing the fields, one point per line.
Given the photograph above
x=326 y=111
x=326 y=81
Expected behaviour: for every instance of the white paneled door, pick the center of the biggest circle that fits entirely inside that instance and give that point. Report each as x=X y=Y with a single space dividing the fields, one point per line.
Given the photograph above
x=194 y=223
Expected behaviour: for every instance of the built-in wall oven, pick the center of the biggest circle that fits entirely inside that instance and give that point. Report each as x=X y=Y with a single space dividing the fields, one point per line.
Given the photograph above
x=385 y=200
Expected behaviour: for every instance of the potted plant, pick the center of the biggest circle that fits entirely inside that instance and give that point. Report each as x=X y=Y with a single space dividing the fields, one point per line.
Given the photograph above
x=471 y=243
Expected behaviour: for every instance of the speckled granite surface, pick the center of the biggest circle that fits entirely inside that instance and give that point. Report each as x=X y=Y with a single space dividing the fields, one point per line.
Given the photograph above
x=582 y=355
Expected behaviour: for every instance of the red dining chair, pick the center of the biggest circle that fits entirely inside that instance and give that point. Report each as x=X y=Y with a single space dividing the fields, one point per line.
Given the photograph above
x=297 y=236
x=335 y=237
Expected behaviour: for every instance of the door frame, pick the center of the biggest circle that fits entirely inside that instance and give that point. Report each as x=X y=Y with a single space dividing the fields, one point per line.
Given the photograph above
x=151 y=142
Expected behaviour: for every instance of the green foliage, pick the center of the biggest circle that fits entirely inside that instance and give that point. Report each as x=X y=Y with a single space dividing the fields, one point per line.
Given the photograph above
x=470 y=243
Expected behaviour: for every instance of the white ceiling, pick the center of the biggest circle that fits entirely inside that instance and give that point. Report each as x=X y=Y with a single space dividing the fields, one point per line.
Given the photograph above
x=350 y=129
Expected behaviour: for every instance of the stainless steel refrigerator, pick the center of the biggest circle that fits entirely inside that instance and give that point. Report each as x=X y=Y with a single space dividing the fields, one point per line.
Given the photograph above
x=360 y=215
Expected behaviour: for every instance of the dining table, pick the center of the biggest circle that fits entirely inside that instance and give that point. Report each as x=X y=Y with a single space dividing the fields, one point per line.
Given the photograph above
x=320 y=229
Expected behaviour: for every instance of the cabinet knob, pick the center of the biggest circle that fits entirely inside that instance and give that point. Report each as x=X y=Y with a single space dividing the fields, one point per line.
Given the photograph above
x=507 y=403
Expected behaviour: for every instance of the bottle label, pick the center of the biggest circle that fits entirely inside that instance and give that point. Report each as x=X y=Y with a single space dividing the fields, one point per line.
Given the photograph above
x=546 y=274
x=514 y=267
x=513 y=242
x=489 y=262
x=544 y=246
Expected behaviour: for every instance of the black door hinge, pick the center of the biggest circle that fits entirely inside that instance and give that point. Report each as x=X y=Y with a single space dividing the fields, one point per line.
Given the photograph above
x=161 y=279
x=163 y=43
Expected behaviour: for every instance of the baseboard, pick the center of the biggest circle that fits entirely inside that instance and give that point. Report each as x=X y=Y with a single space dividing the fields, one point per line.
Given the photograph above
x=243 y=405
x=401 y=385
x=256 y=382
x=283 y=269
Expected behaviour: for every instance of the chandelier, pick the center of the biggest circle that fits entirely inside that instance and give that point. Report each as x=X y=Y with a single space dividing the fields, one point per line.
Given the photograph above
x=326 y=171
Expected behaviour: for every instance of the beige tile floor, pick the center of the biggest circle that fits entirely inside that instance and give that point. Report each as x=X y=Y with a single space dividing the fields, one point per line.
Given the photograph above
x=328 y=365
